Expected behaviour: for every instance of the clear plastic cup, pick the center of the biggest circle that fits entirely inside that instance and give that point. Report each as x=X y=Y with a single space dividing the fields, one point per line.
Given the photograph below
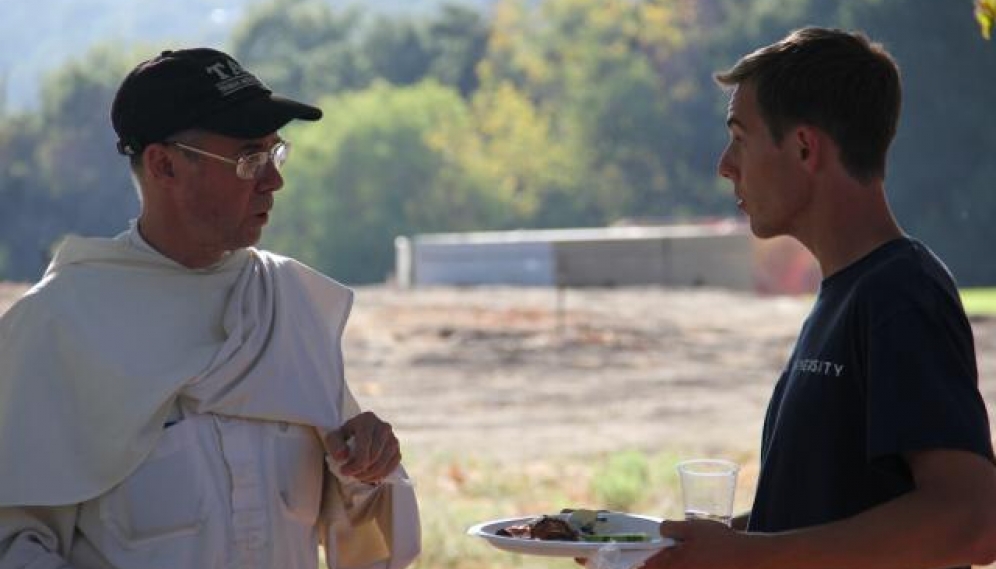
x=707 y=489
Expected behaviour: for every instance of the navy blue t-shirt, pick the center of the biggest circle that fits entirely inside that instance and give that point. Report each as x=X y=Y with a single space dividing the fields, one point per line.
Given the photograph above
x=885 y=364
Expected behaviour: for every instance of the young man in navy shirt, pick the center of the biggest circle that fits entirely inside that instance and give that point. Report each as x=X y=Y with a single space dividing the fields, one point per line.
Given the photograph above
x=876 y=451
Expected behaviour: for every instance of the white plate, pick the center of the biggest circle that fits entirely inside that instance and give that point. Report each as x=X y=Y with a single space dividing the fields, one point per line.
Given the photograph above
x=617 y=523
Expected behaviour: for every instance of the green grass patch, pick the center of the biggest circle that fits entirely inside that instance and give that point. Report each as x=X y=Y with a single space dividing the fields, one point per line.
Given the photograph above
x=457 y=492
x=979 y=301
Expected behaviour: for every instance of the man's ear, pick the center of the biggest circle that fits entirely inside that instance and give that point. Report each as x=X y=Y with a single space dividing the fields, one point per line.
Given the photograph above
x=158 y=162
x=809 y=146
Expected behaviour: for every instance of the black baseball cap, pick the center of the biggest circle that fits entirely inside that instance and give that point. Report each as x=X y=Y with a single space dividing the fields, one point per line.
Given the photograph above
x=199 y=88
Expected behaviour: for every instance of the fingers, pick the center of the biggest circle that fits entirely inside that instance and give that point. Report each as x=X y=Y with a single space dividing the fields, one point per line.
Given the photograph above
x=658 y=560
x=690 y=531
x=666 y=558
x=371 y=449
x=335 y=446
x=699 y=544
x=674 y=529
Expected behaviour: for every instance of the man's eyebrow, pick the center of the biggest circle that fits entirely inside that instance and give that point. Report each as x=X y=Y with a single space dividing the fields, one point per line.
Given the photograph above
x=258 y=145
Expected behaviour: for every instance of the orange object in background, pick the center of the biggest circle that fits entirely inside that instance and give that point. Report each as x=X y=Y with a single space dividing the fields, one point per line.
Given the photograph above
x=782 y=265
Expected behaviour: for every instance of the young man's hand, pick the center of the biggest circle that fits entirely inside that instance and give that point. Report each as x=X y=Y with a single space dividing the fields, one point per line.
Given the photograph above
x=702 y=545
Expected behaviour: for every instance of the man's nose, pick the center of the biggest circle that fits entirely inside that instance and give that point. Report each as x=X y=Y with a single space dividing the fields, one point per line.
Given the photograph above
x=272 y=180
x=725 y=167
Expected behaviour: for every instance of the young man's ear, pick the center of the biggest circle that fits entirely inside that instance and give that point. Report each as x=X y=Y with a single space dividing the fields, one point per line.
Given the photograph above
x=808 y=146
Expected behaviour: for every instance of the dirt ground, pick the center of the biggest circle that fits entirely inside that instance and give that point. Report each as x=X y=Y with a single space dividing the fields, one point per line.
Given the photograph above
x=530 y=372
x=514 y=373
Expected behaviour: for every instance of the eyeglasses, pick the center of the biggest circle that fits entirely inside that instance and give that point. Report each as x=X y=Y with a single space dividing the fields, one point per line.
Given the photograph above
x=247 y=166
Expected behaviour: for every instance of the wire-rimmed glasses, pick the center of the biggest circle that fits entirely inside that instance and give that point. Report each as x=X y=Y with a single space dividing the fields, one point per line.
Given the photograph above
x=247 y=166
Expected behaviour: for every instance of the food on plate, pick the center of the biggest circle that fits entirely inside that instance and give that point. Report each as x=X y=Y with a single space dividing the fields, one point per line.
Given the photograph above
x=571 y=525
x=543 y=527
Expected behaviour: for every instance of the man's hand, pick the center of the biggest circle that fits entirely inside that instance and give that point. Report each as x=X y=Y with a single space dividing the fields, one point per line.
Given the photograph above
x=701 y=545
x=364 y=447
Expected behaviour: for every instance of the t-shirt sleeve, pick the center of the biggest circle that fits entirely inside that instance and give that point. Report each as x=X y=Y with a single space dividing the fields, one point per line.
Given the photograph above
x=922 y=379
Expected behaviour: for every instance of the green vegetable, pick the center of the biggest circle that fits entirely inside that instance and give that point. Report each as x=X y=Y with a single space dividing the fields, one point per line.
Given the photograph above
x=583 y=520
x=617 y=537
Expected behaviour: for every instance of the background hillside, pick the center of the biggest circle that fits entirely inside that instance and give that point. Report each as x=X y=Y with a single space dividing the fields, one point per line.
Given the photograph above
x=483 y=115
x=36 y=36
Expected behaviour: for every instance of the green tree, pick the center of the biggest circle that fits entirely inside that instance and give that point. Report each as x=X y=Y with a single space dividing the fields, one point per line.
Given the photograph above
x=557 y=113
x=513 y=148
x=601 y=70
x=985 y=14
x=303 y=48
x=307 y=49
x=61 y=173
x=397 y=50
x=458 y=39
x=445 y=45
x=26 y=206
x=373 y=170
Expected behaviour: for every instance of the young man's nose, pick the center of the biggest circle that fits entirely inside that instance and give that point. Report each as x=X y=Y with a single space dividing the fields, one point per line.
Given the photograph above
x=725 y=168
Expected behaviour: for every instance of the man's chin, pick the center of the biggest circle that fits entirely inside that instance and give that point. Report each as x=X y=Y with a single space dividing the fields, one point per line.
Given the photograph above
x=764 y=232
x=251 y=237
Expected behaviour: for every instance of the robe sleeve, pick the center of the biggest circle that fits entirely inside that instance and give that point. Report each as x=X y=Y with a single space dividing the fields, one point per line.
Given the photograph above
x=36 y=537
x=369 y=526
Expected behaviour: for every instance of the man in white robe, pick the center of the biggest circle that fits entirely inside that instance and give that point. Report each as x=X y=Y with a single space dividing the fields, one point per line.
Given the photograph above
x=173 y=397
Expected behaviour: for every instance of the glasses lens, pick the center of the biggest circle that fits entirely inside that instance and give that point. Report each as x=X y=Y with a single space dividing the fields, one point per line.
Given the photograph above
x=251 y=166
x=279 y=153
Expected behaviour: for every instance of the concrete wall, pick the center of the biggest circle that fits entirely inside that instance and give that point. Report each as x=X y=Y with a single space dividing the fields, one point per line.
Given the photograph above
x=460 y=263
x=710 y=255
x=716 y=260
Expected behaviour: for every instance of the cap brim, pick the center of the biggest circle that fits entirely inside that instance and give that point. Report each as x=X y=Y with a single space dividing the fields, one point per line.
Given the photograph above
x=258 y=116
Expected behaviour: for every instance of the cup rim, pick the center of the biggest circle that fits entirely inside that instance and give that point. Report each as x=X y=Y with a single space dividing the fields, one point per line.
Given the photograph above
x=730 y=466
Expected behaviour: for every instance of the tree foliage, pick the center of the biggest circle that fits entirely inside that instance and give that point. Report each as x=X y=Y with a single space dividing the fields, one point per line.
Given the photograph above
x=378 y=166
x=606 y=72
x=985 y=14
x=531 y=114
x=307 y=49
x=302 y=48
x=60 y=171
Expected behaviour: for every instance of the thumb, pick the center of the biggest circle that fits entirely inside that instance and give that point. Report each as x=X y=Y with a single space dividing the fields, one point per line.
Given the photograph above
x=335 y=445
x=673 y=529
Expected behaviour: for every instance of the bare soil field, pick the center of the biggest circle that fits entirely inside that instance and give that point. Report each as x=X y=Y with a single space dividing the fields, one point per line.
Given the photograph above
x=526 y=373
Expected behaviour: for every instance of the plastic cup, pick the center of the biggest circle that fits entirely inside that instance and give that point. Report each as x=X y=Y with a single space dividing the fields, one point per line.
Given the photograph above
x=707 y=489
